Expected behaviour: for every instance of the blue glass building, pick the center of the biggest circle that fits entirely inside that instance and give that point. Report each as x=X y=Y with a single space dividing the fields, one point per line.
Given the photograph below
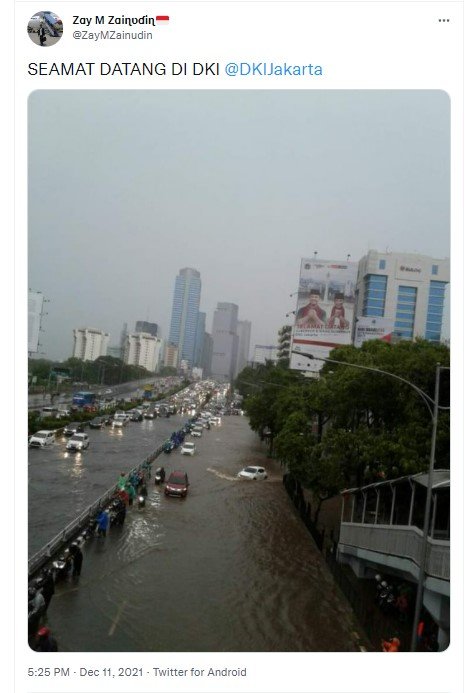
x=185 y=312
x=408 y=290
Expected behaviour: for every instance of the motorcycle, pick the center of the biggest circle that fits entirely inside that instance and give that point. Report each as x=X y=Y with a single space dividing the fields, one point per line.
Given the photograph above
x=141 y=502
x=159 y=476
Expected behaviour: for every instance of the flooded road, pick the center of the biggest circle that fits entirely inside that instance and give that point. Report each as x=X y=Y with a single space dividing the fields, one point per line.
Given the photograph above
x=229 y=568
x=62 y=484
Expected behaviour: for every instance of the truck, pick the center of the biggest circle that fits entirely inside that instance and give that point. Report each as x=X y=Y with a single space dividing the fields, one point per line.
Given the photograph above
x=148 y=391
x=83 y=399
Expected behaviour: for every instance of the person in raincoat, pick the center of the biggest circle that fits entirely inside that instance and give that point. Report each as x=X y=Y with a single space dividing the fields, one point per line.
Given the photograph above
x=103 y=520
x=131 y=491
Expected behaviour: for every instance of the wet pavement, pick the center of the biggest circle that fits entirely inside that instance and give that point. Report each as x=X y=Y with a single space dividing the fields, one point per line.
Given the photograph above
x=229 y=568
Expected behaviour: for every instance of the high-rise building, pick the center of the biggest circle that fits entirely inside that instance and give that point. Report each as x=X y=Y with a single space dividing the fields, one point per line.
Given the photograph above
x=207 y=354
x=225 y=341
x=147 y=327
x=89 y=343
x=143 y=349
x=184 y=314
x=35 y=306
x=263 y=353
x=199 y=337
x=243 y=332
x=405 y=292
x=170 y=358
x=284 y=342
x=115 y=351
x=122 y=337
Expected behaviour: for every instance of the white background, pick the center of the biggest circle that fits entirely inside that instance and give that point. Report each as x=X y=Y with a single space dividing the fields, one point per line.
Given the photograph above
x=365 y=45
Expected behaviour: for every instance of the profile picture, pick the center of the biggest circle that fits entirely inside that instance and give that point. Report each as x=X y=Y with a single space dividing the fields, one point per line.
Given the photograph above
x=45 y=28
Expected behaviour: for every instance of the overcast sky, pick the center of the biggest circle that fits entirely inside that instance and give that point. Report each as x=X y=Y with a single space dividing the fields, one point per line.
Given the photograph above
x=127 y=187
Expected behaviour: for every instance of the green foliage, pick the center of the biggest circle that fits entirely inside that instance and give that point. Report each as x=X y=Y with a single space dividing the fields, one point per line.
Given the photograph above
x=352 y=427
x=167 y=370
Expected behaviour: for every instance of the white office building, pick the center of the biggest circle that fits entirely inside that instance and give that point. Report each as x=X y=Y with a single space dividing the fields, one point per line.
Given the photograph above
x=404 y=291
x=89 y=343
x=143 y=349
x=263 y=353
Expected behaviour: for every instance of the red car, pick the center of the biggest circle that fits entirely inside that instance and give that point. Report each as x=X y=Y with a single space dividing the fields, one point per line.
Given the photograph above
x=177 y=484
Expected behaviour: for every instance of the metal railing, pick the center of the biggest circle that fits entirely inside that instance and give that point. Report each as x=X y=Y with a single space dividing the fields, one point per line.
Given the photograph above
x=74 y=528
x=396 y=540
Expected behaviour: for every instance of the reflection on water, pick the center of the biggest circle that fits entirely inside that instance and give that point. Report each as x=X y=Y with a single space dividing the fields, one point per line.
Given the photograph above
x=229 y=568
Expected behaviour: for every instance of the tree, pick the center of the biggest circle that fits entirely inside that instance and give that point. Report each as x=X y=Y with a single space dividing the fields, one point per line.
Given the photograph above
x=350 y=426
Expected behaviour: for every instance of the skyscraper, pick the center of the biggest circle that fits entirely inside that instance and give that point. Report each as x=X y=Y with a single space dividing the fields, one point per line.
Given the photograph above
x=199 y=338
x=147 y=327
x=225 y=341
x=184 y=314
x=243 y=333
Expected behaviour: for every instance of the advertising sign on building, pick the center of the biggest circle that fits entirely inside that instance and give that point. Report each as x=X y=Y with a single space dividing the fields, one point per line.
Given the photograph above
x=372 y=328
x=35 y=303
x=325 y=310
x=410 y=271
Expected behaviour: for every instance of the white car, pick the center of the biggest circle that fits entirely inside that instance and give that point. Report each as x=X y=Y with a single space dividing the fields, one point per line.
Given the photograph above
x=41 y=439
x=120 y=420
x=253 y=473
x=197 y=432
x=188 y=449
x=80 y=441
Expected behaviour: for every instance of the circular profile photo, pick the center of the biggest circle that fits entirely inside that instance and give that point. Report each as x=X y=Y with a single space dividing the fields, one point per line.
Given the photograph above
x=45 y=28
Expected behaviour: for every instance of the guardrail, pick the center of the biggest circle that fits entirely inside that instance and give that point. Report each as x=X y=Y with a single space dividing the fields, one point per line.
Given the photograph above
x=74 y=528
x=402 y=541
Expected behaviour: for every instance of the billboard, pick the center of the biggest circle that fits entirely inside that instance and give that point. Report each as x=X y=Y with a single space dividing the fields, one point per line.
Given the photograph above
x=325 y=310
x=35 y=303
x=372 y=328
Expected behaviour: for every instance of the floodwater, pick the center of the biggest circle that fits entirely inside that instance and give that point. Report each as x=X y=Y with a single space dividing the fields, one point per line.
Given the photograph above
x=229 y=568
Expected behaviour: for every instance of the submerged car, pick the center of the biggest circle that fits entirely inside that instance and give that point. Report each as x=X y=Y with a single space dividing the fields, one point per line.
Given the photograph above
x=78 y=442
x=188 y=449
x=177 y=484
x=253 y=473
x=41 y=439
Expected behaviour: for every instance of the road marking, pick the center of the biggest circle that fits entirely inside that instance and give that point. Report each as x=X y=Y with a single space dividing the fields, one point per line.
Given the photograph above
x=116 y=619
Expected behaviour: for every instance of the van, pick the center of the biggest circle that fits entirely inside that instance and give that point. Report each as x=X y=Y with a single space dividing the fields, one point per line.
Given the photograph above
x=49 y=411
x=41 y=438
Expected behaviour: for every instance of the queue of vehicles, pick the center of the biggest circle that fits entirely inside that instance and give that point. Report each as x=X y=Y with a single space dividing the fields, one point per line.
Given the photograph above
x=187 y=402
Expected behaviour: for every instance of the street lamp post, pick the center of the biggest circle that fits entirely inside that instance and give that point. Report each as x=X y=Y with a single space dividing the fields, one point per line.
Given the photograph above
x=433 y=408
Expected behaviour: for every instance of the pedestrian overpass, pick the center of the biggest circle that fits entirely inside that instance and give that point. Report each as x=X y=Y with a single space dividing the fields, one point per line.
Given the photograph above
x=382 y=531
